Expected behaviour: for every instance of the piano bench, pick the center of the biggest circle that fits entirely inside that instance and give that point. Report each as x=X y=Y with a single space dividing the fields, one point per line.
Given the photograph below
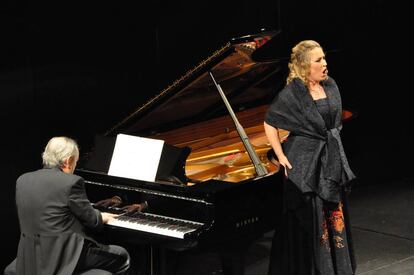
x=11 y=270
x=94 y=272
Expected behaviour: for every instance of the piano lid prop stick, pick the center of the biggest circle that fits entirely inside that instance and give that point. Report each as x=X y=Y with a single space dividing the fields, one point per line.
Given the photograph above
x=259 y=167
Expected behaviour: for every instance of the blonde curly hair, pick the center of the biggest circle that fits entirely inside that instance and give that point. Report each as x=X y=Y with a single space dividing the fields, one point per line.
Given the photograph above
x=299 y=64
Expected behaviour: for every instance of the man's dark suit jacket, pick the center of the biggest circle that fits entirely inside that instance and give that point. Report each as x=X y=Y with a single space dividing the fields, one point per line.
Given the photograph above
x=53 y=212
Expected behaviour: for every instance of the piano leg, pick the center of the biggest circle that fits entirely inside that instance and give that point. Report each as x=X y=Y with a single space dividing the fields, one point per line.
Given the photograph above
x=229 y=259
x=154 y=260
x=141 y=262
x=233 y=262
x=162 y=262
x=168 y=261
x=233 y=257
x=149 y=259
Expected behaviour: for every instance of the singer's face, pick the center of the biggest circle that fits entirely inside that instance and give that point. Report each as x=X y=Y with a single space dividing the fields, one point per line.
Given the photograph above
x=318 y=67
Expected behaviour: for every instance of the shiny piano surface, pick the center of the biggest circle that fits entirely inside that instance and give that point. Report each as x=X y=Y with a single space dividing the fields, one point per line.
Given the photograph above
x=221 y=198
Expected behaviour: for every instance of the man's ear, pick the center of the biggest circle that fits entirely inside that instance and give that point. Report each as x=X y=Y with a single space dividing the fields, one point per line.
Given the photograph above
x=68 y=163
x=71 y=161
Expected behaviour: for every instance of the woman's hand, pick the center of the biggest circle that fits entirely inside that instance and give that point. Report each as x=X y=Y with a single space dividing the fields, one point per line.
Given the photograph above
x=285 y=163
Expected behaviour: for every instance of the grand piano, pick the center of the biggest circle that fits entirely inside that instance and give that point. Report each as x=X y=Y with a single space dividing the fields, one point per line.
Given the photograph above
x=218 y=184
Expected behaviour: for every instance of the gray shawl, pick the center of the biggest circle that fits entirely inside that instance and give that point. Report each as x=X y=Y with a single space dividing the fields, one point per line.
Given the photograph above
x=319 y=163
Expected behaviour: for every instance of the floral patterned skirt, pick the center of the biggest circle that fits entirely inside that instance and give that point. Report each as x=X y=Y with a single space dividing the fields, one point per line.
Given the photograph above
x=313 y=238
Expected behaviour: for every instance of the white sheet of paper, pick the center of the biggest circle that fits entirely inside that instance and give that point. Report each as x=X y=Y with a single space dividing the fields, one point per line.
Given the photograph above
x=136 y=157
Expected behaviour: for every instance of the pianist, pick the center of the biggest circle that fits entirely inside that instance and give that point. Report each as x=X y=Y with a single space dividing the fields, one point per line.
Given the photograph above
x=54 y=214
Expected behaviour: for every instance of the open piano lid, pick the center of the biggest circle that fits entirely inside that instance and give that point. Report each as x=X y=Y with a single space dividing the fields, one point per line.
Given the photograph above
x=194 y=96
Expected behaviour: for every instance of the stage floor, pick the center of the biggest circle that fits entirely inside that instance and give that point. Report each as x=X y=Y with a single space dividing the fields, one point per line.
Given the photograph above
x=382 y=218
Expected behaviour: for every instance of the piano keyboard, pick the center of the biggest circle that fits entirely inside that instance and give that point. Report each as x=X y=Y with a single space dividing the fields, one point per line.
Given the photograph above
x=156 y=224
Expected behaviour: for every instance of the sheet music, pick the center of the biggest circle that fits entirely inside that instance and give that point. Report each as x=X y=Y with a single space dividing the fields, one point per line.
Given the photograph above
x=136 y=157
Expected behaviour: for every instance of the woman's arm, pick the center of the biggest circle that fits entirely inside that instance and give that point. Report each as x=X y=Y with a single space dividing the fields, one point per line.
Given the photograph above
x=272 y=135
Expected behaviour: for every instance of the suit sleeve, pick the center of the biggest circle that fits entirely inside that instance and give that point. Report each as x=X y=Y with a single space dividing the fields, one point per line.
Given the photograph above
x=82 y=208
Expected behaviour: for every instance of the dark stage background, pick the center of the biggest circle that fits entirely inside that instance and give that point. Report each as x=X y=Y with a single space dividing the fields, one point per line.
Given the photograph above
x=76 y=68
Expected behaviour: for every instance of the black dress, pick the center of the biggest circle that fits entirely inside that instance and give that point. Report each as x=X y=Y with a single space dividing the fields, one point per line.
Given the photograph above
x=314 y=237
